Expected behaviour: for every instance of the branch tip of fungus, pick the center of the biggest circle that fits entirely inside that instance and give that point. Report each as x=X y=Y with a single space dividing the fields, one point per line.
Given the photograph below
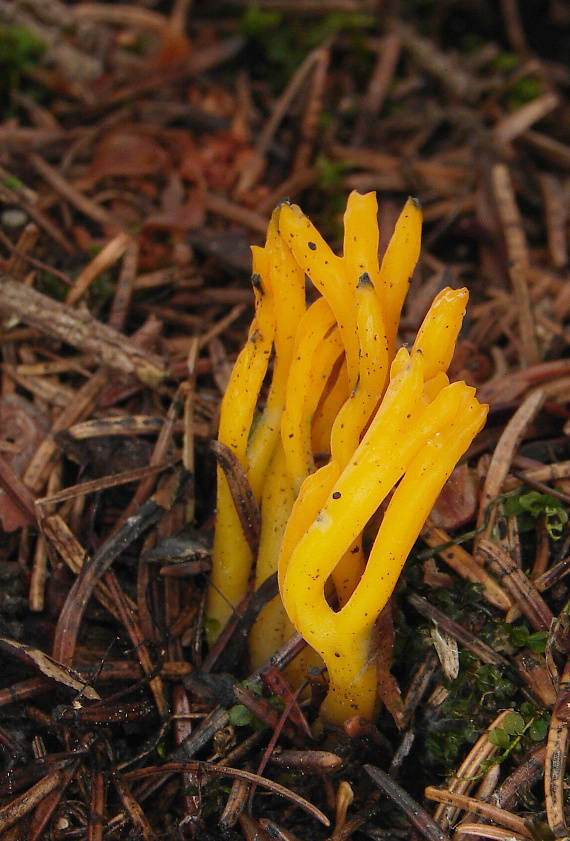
x=365 y=280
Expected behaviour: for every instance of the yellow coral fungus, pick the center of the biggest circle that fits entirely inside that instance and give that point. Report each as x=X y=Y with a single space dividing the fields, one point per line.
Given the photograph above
x=347 y=424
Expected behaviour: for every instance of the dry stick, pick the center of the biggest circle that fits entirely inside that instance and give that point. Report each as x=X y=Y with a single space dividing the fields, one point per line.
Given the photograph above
x=81 y=403
x=178 y=15
x=46 y=808
x=132 y=627
x=97 y=801
x=189 y=393
x=242 y=495
x=158 y=454
x=291 y=187
x=121 y=425
x=54 y=366
x=464 y=565
x=105 y=482
x=418 y=686
x=141 y=826
x=502 y=458
x=542 y=487
x=221 y=326
x=127 y=16
x=171 y=523
x=465 y=776
x=553 y=327
x=199 y=62
x=63 y=541
x=221 y=365
x=71 y=194
x=198 y=767
x=106 y=258
x=480 y=649
x=311 y=117
x=513 y=26
x=480 y=808
x=235 y=213
x=388 y=54
x=28 y=800
x=252 y=171
x=518 y=382
x=553 y=575
x=124 y=287
x=17 y=264
x=18 y=492
x=438 y=64
x=556 y=209
x=527 y=597
x=36 y=591
x=521 y=780
x=21 y=136
x=48 y=666
x=234 y=806
x=517 y=249
x=79 y=329
x=36 y=595
x=555 y=760
x=182 y=727
x=556 y=152
x=417 y=816
x=511 y=126
x=502 y=302
x=495 y=833
x=50 y=392
x=78 y=597
x=315 y=8
x=18 y=197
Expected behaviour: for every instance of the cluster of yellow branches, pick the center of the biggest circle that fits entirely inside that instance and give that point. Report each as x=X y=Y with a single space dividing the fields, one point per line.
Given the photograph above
x=348 y=424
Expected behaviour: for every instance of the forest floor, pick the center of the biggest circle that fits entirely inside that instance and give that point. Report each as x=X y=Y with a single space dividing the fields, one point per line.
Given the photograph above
x=143 y=147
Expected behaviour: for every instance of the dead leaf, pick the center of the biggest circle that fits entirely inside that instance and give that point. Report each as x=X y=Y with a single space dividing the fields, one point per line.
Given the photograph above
x=187 y=216
x=49 y=667
x=128 y=152
x=387 y=685
x=457 y=503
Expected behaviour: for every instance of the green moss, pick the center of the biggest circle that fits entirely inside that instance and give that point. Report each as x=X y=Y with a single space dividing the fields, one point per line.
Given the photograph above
x=19 y=52
x=529 y=505
x=19 y=49
x=505 y=62
x=523 y=91
x=331 y=173
x=240 y=716
x=283 y=42
x=12 y=182
x=52 y=286
x=521 y=637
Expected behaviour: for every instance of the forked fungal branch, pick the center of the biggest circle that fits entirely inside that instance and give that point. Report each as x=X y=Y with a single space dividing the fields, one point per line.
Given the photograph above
x=378 y=423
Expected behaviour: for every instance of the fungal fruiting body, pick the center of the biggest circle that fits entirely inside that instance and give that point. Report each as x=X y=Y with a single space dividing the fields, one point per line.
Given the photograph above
x=348 y=423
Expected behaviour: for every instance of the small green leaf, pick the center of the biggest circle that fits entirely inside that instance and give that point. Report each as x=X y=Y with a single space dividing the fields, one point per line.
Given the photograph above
x=513 y=724
x=240 y=716
x=537 y=730
x=211 y=631
x=499 y=738
x=534 y=504
x=537 y=642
